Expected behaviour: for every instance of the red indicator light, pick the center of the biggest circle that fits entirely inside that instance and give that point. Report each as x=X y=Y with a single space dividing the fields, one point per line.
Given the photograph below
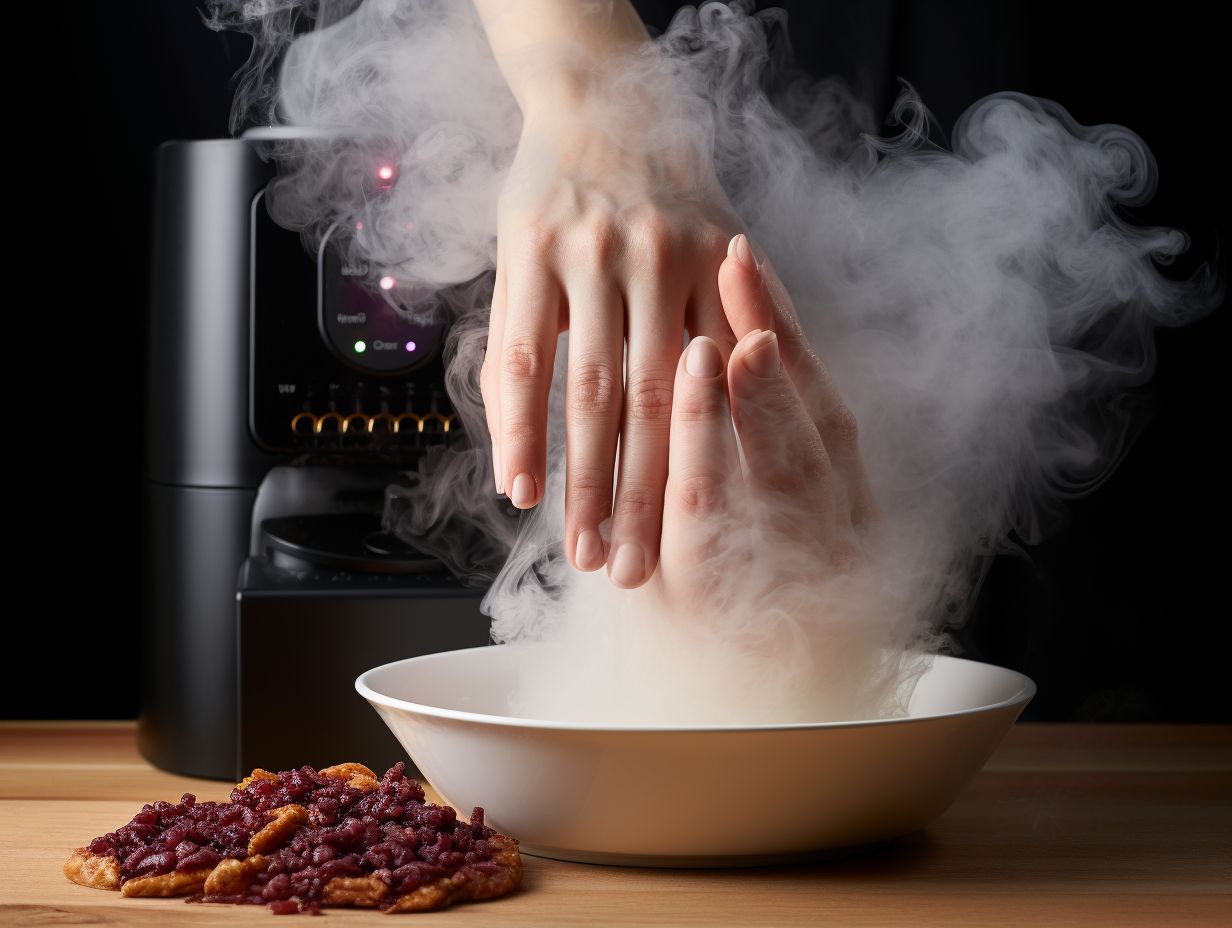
x=386 y=174
x=387 y=282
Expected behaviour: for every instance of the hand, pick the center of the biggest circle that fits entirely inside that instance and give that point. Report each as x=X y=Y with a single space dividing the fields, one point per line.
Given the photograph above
x=617 y=237
x=803 y=493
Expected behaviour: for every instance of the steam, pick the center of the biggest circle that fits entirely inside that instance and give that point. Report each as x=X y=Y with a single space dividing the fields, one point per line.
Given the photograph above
x=983 y=310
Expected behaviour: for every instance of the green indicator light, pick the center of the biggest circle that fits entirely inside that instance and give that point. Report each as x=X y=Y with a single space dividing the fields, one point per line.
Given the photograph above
x=360 y=347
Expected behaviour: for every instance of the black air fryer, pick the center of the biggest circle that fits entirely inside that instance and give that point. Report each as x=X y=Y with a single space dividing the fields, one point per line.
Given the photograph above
x=285 y=395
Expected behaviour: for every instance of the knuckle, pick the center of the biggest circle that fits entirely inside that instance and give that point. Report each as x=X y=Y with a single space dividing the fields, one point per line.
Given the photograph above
x=777 y=399
x=699 y=494
x=592 y=388
x=655 y=229
x=538 y=237
x=812 y=462
x=839 y=428
x=522 y=359
x=653 y=240
x=519 y=431
x=703 y=406
x=637 y=503
x=597 y=241
x=649 y=399
x=587 y=485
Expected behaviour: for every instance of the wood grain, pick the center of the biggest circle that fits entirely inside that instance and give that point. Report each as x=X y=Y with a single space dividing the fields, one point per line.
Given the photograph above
x=1068 y=825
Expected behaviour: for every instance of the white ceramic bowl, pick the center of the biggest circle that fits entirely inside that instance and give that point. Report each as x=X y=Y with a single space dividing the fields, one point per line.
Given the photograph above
x=710 y=796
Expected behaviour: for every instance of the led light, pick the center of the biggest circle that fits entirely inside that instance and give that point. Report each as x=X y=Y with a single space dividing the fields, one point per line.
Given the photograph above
x=359 y=227
x=410 y=346
x=386 y=174
x=361 y=347
x=387 y=282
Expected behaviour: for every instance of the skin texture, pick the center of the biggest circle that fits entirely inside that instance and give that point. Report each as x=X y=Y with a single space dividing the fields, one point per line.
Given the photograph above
x=604 y=230
x=804 y=480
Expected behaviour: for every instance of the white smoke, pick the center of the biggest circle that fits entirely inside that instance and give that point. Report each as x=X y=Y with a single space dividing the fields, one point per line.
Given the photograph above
x=983 y=311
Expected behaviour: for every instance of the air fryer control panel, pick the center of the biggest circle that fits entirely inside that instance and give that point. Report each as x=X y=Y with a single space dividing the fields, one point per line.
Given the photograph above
x=334 y=365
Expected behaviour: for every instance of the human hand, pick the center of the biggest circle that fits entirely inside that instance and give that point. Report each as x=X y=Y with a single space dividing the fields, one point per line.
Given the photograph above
x=617 y=238
x=803 y=491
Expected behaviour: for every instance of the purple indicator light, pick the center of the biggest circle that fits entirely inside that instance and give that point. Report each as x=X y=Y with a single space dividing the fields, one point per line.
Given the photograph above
x=410 y=346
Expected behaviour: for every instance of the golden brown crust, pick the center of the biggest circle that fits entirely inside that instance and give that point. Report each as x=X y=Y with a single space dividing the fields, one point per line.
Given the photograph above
x=509 y=858
x=363 y=891
x=257 y=774
x=233 y=877
x=94 y=870
x=446 y=890
x=357 y=776
x=283 y=821
x=166 y=884
x=468 y=884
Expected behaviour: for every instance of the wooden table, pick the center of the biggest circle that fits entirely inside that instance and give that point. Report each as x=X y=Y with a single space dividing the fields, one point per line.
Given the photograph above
x=1068 y=825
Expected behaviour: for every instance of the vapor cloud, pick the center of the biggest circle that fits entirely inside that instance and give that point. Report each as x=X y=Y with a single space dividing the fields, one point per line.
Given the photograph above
x=983 y=309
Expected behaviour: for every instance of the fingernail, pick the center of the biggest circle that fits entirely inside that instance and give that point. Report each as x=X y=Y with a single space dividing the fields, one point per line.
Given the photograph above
x=762 y=359
x=589 y=553
x=629 y=565
x=739 y=248
x=702 y=359
x=523 y=495
x=497 y=472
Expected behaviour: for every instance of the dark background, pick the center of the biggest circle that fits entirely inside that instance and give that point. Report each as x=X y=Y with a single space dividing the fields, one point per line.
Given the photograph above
x=1120 y=616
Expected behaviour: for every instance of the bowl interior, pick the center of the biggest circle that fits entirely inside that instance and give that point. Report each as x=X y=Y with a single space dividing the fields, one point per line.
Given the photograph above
x=476 y=682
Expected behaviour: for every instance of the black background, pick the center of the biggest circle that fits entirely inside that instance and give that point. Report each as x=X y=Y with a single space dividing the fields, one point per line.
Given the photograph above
x=1120 y=616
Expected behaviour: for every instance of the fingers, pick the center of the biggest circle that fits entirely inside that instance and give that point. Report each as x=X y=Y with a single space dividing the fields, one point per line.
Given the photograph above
x=653 y=338
x=752 y=293
x=705 y=315
x=703 y=486
x=527 y=352
x=753 y=297
x=702 y=457
x=489 y=373
x=745 y=299
x=592 y=421
x=776 y=432
x=782 y=448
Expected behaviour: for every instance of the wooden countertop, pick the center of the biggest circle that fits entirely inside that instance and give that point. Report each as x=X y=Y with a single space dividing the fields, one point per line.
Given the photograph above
x=1068 y=825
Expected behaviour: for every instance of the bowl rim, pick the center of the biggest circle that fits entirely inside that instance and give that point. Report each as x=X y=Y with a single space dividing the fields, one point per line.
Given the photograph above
x=1023 y=696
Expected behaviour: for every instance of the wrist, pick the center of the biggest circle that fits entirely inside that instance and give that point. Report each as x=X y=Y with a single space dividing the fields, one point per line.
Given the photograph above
x=549 y=91
x=564 y=77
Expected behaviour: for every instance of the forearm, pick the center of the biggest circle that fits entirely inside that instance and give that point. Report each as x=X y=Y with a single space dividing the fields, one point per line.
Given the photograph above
x=552 y=51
